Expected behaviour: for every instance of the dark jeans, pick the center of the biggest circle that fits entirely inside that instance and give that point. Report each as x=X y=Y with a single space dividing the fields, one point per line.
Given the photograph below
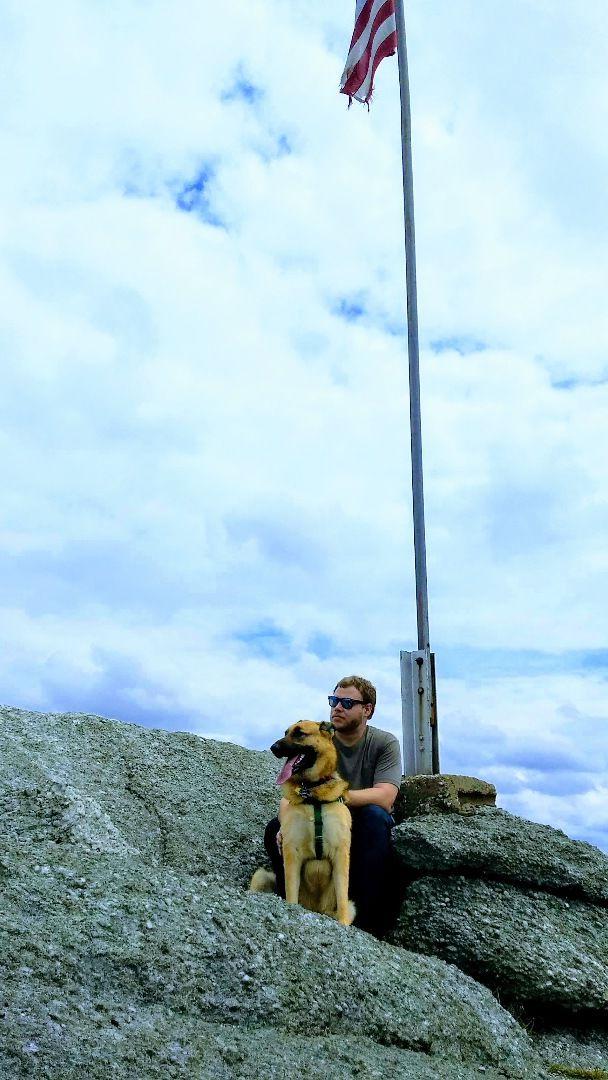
x=374 y=878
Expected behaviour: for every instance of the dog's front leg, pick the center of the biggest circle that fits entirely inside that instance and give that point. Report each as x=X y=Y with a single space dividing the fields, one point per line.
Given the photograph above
x=292 y=861
x=341 y=866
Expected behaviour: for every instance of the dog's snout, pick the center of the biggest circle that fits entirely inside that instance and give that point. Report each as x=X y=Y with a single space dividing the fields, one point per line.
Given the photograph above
x=278 y=748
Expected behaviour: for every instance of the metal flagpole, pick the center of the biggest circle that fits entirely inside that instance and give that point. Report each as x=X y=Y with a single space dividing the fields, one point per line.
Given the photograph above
x=421 y=747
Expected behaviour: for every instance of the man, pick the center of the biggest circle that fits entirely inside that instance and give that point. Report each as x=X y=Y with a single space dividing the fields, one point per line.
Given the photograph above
x=370 y=759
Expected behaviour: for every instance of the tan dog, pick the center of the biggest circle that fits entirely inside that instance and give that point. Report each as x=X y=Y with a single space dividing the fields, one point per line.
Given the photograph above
x=315 y=824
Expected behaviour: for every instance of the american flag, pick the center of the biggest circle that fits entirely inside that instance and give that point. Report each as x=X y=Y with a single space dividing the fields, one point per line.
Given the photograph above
x=374 y=37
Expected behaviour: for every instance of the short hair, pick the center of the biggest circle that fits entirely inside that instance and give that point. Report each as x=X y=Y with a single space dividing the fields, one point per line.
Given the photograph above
x=364 y=686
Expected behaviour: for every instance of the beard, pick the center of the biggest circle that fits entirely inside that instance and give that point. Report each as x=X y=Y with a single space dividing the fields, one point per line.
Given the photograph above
x=347 y=726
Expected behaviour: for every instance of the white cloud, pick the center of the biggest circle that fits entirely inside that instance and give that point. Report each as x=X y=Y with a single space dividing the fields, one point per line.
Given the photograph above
x=205 y=430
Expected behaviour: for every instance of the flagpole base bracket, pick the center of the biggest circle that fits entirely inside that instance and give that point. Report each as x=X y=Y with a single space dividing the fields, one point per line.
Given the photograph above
x=419 y=715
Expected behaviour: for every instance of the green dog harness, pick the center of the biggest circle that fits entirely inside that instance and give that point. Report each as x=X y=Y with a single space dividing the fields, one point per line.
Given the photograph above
x=318 y=830
x=307 y=797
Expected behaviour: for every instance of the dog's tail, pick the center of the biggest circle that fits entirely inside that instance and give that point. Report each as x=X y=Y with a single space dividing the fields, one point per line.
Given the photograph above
x=263 y=881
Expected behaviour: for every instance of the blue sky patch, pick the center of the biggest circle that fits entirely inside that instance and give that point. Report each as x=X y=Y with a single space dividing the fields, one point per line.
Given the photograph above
x=322 y=646
x=243 y=89
x=461 y=344
x=572 y=382
x=478 y=665
x=565 y=384
x=193 y=197
x=284 y=542
x=595 y=660
x=350 y=308
x=193 y=194
x=273 y=146
x=284 y=146
x=116 y=691
x=267 y=640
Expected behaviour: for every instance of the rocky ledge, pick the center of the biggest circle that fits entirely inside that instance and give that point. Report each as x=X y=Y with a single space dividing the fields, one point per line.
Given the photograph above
x=129 y=947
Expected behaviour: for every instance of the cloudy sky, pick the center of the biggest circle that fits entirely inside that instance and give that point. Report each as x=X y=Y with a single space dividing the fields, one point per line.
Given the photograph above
x=205 y=447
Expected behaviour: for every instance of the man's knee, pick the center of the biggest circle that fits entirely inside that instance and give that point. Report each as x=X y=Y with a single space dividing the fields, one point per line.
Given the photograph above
x=372 y=842
x=270 y=833
x=272 y=850
x=371 y=821
x=270 y=841
x=374 y=814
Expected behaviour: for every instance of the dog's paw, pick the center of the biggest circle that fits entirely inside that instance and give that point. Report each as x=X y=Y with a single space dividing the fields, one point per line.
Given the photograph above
x=350 y=916
x=263 y=881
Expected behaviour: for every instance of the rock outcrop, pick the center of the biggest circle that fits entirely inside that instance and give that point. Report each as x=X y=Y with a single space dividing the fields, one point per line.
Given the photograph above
x=519 y=907
x=129 y=947
x=494 y=845
x=102 y=786
x=532 y=948
x=444 y=794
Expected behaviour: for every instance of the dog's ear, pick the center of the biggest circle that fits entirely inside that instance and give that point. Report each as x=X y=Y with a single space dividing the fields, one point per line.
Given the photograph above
x=326 y=728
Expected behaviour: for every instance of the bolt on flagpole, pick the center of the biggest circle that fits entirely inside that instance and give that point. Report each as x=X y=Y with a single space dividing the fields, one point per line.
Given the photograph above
x=421 y=748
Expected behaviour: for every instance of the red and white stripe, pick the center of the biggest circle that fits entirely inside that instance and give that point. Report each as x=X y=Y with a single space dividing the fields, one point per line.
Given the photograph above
x=374 y=37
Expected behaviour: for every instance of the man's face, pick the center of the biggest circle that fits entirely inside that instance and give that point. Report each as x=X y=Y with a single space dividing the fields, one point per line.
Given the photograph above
x=347 y=720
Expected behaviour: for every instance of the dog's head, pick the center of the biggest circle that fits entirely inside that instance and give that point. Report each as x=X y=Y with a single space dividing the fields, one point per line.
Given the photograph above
x=309 y=750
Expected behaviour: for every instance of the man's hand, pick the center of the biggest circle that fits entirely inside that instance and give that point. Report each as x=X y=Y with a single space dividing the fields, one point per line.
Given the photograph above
x=284 y=803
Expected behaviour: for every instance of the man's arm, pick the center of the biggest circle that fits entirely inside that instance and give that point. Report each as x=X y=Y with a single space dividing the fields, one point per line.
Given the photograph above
x=387 y=777
x=383 y=795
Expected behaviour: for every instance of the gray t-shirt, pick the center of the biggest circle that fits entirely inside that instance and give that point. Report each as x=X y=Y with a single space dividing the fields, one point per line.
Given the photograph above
x=375 y=759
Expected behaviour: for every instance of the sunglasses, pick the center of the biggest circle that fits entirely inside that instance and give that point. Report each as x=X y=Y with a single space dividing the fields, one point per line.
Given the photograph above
x=346 y=702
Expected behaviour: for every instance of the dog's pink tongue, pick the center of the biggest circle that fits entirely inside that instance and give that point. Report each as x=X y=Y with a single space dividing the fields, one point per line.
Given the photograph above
x=287 y=769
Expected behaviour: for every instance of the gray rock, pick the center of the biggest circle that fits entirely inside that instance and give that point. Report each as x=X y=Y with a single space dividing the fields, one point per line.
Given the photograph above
x=446 y=793
x=126 y=949
x=163 y=1044
x=96 y=948
x=573 y=1048
x=167 y=798
x=494 y=844
x=531 y=948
